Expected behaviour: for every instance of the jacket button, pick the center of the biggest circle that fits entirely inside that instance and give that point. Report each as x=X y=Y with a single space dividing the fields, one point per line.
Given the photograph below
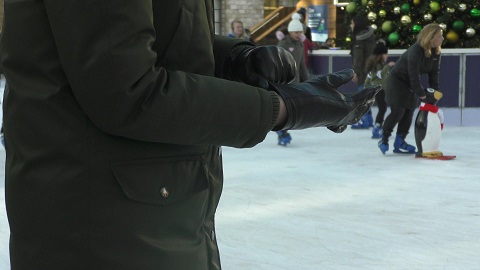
x=164 y=192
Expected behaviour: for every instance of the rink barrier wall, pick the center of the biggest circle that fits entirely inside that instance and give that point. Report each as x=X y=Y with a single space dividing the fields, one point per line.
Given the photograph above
x=459 y=80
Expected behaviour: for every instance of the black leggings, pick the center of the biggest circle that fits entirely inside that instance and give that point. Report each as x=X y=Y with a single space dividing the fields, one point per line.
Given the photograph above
x=398 y=115
x=382 y=107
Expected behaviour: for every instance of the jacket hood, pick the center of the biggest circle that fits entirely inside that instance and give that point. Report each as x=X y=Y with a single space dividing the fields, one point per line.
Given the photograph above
x=365 y=34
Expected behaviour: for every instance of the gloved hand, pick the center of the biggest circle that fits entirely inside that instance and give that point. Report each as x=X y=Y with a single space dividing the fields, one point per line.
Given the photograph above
x=317 y=102
x=260 y=65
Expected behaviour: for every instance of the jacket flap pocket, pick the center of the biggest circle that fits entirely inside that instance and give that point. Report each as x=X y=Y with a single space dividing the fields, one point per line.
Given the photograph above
x=161 y=181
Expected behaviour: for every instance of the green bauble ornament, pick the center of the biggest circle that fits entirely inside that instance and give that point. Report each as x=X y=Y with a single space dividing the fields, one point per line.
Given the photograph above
x=351 y=7
x=364 y=2
x=393 y=38
x=434 y=7
x=382 y=13
x=458 y=25
x=475 y=12
x=372 y=16
x=348 y=39
x=387 y=26
x=405 y=8
x=416 y=29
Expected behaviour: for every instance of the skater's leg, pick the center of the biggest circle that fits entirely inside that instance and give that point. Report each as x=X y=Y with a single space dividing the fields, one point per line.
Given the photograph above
x=377 y=131
x=405 y=122
x=382 y=107
x=396 y=114
x=400 y=145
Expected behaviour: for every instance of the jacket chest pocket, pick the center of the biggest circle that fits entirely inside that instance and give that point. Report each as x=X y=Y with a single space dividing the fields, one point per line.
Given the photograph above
x=161 y=181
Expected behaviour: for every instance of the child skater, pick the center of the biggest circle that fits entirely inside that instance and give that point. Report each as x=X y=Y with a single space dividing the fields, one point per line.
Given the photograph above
x=377 y=71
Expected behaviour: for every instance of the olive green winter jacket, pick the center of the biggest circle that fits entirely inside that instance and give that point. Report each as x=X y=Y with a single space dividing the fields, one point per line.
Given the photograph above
x=378 y=76
x=113 y=122
x=361 y=50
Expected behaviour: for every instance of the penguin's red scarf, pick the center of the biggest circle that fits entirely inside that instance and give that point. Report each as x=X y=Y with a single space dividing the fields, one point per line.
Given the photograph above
x=428 y=107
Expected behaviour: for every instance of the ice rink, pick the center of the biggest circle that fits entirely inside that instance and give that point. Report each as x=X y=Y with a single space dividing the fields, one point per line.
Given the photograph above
x=333 y=201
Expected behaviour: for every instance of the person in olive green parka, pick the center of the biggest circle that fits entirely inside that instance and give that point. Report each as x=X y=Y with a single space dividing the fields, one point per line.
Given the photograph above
x=113 y=124
x=377 y=74
x=362 y=45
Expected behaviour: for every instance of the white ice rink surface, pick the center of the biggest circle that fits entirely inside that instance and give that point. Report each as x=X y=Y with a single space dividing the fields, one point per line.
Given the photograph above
x=333 y=201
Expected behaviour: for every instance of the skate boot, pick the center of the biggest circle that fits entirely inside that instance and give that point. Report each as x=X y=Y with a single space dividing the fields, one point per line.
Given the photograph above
x=365 y=123
x=284 y=137
x=377 y=131
x=402 y=147
x=383 y=146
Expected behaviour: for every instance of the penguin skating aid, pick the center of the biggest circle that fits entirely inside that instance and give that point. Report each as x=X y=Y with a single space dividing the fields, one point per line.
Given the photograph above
x=429 y=126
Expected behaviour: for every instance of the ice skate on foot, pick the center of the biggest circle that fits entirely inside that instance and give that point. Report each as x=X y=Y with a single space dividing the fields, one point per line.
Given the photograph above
x=284 y=137
x=383 y=146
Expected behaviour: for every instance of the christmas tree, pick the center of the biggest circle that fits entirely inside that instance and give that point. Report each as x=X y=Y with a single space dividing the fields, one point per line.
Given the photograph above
x=398 y=22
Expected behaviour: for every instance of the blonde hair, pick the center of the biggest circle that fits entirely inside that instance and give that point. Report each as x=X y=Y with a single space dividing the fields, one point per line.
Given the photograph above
x=426 y=36
x=244 y=34
x=234 y=22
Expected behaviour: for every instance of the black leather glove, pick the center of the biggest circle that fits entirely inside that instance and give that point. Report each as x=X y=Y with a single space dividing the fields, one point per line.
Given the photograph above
x=259 y=65
x=317 y=102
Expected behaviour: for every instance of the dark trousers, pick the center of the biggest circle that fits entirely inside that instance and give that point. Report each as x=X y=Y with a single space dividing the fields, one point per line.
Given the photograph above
x=382 y=107
x=398 y=115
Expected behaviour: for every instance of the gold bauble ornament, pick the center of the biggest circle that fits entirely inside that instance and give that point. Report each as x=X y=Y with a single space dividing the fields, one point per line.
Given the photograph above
x=427 y=17
x=406 y=19
x=396 y=10
x=416 y=2
x=452 y=36
x=382 y=13
x=462 y=7
x=372 y=16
